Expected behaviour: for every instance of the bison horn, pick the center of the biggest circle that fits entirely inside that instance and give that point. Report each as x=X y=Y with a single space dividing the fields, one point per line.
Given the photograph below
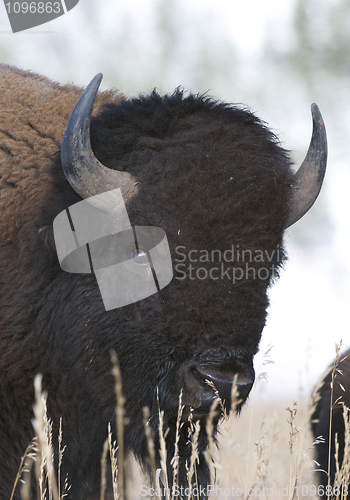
x=87 y=176
x=309 y=177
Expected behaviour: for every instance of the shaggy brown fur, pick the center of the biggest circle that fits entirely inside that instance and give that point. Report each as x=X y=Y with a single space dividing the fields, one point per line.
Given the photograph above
x=211 y=175
x=321 y=418
x=34 y=113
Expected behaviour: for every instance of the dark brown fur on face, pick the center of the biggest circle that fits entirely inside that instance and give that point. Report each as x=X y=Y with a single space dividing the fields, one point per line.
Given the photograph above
x=321 y=419
x=211 y=175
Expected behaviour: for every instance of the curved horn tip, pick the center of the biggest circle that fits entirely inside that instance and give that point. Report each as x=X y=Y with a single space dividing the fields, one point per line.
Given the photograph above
x=97 y=78
x=316 y=113
x=87 y=176
x=314 y=108
x=310 y=175
x=94 y=84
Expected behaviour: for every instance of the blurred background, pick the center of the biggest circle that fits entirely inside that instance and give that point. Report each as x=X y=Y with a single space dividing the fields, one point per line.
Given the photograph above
x=275 y=57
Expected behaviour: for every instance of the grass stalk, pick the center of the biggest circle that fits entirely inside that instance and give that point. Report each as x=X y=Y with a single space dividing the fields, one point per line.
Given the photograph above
x=119 y=411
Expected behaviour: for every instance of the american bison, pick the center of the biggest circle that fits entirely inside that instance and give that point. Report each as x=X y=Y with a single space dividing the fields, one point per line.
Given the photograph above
x=321 y=420
x=216 y=180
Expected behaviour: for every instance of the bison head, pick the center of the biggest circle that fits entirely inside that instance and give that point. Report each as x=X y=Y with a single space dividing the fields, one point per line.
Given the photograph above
x=216 y=180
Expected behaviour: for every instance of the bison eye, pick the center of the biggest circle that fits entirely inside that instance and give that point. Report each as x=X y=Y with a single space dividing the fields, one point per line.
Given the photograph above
x=139 y=256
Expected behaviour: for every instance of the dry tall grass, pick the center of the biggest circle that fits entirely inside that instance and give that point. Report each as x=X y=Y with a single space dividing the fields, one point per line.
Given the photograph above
x=264 y=454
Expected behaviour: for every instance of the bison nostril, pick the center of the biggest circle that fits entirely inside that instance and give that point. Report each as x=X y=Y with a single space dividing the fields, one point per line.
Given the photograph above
x=204 y=379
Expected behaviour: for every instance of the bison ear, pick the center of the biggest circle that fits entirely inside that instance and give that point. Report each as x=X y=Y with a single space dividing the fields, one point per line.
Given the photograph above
x=308 y=179
x=87 y=176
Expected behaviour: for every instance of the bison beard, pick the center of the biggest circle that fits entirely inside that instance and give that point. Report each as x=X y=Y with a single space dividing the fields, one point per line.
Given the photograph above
x=211 y=175
x=321 y=419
